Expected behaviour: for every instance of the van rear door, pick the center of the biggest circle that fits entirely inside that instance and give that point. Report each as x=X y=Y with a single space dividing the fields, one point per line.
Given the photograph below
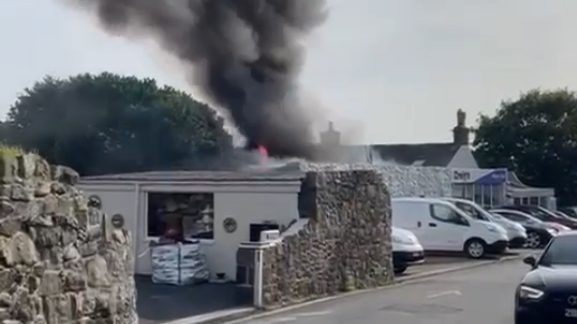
x=411 y=215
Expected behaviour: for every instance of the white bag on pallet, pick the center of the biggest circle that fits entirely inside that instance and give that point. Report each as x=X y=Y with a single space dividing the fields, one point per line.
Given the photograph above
x=193 y=267
x=165 y=259
x=178 y=263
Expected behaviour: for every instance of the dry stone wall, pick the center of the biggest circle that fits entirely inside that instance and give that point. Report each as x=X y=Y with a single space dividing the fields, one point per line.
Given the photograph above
x=345 y=245
x=58 y=262
x=400 y=180
x=410 y=181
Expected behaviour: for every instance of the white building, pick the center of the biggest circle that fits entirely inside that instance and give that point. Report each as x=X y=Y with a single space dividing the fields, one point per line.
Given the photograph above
x=215 y=207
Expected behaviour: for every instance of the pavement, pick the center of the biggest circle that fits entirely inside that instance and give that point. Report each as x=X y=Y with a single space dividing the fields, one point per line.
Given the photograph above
x=437 y=264
x=158 y=303
x=174 y=310
x=476 y=296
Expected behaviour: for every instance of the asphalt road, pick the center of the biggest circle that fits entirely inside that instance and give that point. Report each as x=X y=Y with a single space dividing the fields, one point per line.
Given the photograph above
x=477 y=296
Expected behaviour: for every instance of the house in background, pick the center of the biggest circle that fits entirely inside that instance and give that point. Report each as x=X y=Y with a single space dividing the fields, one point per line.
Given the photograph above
x=455 y=154
x=488 y=187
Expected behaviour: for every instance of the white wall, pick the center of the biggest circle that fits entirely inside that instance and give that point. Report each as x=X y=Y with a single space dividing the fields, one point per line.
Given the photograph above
x=247 y=204
x=117 y=199
x=246 y=208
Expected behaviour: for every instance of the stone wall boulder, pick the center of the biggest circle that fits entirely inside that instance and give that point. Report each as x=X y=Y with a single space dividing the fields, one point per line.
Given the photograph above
x=400 y=180
x=56 y=263
x=345 y=245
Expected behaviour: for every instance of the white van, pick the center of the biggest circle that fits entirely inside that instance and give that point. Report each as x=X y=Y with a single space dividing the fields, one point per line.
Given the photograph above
x=516 y=233
x=441 y=226
x=406 y=250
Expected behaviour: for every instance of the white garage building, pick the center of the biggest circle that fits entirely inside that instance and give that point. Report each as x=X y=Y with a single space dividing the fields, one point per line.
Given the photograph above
x=216 y=208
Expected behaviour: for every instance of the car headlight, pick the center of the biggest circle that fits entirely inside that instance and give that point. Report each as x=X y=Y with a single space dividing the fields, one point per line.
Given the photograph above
x=552 y=231
x=402 y=240
x=526 y=292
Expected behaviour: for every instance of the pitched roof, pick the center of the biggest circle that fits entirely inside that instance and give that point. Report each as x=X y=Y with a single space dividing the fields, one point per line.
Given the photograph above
x=428 y=154
x=184 y=176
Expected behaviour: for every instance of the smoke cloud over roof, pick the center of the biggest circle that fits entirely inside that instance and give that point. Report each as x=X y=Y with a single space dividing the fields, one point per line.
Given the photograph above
x=245 y=54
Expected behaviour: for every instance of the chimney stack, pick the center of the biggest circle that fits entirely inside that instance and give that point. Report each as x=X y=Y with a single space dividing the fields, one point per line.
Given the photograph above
x=461 y=131
x=330 y=137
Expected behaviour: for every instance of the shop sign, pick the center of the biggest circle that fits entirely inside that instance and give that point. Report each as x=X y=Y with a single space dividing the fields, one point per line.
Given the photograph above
x=479 y=176
x=461 y=176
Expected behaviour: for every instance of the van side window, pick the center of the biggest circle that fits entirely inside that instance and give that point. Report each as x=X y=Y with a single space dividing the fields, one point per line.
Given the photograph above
x=444 y=214
x=470 y=211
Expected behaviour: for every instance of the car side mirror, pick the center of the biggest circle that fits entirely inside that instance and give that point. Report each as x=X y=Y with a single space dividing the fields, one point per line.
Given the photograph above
x=530 y=260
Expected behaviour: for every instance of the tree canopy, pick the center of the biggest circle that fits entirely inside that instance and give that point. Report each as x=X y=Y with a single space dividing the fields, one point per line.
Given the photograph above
x=108 y=123
x=535 y=136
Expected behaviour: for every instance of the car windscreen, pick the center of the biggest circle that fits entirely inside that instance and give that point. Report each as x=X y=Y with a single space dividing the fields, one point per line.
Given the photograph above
x=541 y=214
x=471 y=211
x=563 y=215
x=570 y=211
x=523 y=218
x=497 y=216
x=561 y=251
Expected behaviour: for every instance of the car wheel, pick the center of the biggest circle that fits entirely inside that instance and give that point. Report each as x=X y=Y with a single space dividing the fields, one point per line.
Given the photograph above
x=400 y=269
x=475 y=248
x=533 y=240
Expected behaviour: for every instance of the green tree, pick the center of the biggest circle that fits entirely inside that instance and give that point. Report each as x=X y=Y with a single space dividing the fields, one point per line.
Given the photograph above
x=108 y=123
x=535 y=136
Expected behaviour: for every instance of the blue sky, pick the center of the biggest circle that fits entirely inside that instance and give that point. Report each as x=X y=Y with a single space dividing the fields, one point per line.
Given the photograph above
x=387 y=71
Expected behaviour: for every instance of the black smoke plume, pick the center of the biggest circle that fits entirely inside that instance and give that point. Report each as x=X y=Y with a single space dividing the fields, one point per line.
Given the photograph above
x=245 y=54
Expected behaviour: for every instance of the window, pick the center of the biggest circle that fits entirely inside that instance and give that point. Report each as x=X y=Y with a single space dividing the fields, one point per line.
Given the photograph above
x=458 y=190
x=516 y=217
x=544 y=202
x=534 y=201
x=468 y=192
x=181 y=215
x=470 y=210
x=497 y=195
x=560 y=251
x=540 y=214
x=479 y=194
x=445 y=214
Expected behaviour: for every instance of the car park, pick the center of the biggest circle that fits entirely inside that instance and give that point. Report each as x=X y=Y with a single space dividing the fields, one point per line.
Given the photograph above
x=516 y=233
x=563 y=215
x=407 y=250
x=543 y=214
x=548 y=292
x=569 y=211
x=538 y=233
x=441 y=226
x=558 y=227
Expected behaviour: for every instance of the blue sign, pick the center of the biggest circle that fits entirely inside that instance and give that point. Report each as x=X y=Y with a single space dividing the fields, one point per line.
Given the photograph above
x=498 y=176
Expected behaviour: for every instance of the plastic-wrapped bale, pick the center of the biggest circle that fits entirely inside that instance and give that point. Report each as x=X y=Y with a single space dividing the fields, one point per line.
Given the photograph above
x=193 y=267
x=165 y=263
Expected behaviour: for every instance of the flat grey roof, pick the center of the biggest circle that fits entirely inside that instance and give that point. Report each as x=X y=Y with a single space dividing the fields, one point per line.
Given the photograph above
x=185 y=176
